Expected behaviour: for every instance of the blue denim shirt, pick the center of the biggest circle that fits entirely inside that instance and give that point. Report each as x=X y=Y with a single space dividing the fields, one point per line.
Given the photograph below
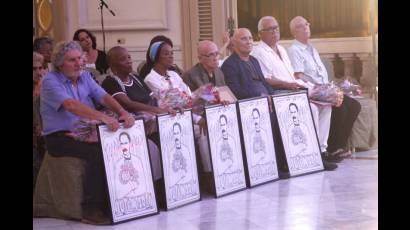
x=55 y=89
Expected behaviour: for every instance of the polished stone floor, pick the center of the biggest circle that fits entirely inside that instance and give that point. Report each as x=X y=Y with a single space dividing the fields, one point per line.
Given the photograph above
x=346 y=198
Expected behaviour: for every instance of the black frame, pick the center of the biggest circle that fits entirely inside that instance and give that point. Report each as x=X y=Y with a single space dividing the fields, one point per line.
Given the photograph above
x=106 y=181
x=162 y=163
x=210 y=150
x=305 y=92
x=245 y=158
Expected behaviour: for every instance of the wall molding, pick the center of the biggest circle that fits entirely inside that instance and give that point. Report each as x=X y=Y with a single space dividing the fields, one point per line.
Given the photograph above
x=154 y=18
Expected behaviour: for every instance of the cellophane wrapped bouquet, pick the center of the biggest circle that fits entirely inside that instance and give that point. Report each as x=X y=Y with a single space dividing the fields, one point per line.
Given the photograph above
x=328 y=93
x=349 y=88
x=173 y=98
x=85 y=130
x=203 y=96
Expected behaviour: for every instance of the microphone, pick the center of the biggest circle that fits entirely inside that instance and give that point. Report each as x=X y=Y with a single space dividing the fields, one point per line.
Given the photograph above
x=106 y=6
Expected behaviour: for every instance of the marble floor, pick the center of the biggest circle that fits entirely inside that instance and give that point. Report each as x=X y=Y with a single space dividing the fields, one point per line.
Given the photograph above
x=346 y=198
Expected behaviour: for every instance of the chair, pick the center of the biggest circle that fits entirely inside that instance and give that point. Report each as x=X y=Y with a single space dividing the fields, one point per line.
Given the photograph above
x=59 y=188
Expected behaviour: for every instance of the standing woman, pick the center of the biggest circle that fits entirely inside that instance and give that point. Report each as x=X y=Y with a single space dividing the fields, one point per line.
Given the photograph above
x=96 y=59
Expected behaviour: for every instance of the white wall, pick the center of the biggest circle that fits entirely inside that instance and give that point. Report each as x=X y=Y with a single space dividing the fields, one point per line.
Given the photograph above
x=136 y=22
x=339 y=45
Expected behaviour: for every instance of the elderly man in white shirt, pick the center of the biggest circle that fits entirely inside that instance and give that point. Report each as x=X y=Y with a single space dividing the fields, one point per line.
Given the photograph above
x=308 y=66
x=278 y=71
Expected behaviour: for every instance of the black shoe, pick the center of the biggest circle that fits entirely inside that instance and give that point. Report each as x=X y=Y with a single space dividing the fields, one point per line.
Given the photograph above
x=330 y=157
x=283 y=174
x=329 y=166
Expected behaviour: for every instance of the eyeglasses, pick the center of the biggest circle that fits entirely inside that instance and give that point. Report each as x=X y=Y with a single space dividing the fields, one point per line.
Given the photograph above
x=214 y=54
x=271 y=29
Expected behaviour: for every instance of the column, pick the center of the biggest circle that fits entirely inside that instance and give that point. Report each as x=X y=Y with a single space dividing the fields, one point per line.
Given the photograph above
x=348 y=61
x=369 y=73
x=328 y=60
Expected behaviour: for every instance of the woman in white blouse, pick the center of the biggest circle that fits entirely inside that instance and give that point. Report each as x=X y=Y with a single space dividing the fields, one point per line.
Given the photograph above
x=161 y=78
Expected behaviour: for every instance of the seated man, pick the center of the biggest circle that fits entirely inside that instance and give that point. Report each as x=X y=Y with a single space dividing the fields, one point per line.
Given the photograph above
x=278 y=71
x=207 y=70
x=243 y=74
x=306 y=62
x=38 y=141
x=44 y=46
x=68 y=95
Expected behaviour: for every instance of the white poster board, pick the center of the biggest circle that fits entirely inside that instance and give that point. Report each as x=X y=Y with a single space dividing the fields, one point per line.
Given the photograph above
x=225 y=147
x=128 y=172
x=258 y=140
x=298 y=133
x=178 y=159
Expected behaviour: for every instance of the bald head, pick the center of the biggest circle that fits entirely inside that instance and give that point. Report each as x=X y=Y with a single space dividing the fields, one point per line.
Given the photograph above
x=240 y=32
x=300 y=28
x=208 y=54
x=119 y=60
x=113 y=53
x=242 y=42
x=205 y=45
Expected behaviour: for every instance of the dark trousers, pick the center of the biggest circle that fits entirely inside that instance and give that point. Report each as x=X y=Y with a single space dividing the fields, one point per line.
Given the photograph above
x=94 y=185
x=341 y=123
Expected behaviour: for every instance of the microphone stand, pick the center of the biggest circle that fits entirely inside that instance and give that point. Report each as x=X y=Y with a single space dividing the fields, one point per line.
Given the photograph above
x=102 y=3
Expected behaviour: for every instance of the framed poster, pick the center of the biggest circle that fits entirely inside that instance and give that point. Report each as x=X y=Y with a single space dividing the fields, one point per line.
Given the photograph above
x=257 y=136
x=226 y=94
x=128 y=172
x=298 y=133
x=225 y=148
x=178 y=159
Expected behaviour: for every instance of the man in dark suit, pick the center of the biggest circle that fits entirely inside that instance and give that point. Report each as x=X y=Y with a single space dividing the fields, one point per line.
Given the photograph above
x=243 y=74
x=207 y=70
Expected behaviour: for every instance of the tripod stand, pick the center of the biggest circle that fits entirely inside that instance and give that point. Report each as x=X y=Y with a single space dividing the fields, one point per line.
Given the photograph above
x=102 y=3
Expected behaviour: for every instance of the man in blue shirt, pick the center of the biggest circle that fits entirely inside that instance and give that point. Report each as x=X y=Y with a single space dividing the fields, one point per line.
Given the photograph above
x=67 y=95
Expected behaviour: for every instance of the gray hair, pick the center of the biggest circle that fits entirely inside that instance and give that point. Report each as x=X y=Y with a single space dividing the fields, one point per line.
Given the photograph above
x=260 y=26
x=38 y=42
x=57 y=58
x=293 y=22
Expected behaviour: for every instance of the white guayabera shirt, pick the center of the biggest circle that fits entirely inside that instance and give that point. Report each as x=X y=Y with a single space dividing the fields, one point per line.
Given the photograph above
x=306 y=59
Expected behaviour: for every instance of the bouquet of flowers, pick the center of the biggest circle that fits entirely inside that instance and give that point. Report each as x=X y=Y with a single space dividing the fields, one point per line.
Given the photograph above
x=86 y=129
x=204 y=95
x=173 y=98
x=349 y=88
x=328 y=93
